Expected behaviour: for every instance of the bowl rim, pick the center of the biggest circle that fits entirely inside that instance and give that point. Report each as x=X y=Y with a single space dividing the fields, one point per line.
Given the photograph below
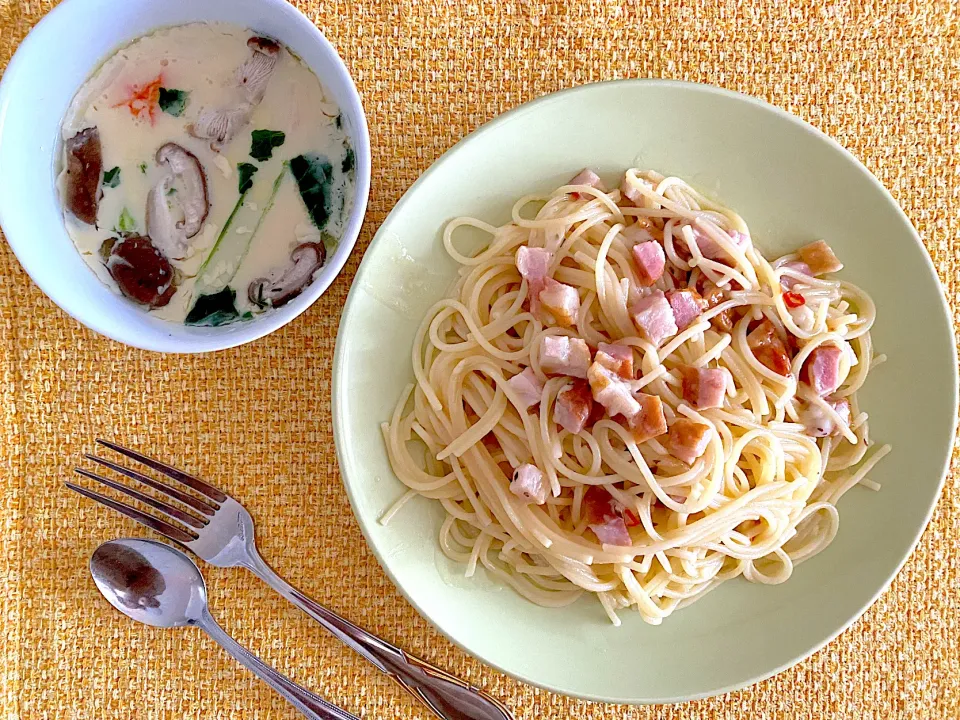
x=339 y=390
x=213 y=341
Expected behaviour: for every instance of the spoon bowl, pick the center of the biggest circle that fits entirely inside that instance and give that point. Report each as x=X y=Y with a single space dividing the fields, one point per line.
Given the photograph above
x=150 y=582
x=158 y=585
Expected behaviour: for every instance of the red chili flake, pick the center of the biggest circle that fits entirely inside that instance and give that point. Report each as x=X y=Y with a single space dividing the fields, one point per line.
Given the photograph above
x=793 y=300
x=630 y=518
x=142 y=100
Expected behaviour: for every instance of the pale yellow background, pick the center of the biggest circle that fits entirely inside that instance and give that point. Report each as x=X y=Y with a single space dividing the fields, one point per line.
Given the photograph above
x=883 y=78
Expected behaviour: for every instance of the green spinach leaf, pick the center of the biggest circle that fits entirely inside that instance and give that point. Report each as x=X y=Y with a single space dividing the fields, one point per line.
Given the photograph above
x=263 y=142
x=214 y=310
x=260 y=302
x=172 y=102
x=246 y=171
x=313 y=174
x=111 y=178
x=126 y=223
x=230 y=249
x=106 y=248
x=143 y=168
x=349 y=161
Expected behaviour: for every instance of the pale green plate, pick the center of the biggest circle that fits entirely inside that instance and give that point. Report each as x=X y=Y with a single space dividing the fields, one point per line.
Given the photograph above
x=792 y=184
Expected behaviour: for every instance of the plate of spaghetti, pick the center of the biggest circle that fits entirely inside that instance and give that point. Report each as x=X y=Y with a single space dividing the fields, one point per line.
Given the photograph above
x=644 y=391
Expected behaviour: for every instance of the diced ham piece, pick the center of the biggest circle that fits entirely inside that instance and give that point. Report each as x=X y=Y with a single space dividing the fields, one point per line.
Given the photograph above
x=612 y=531
x=616 y=358
x=708 y=246
x=605 y=517
x=529 y=484
x=561 y=301
x=820 y=258
x=650 y=261
x=821 y=371
x=636 y=233
x=819 y=423
x=711 y=249
x=588 y=177
x=611 y=391
x=688 y=440
x=788 y=282
x=842 y=408
x=654 y=318
x=713 y=295
x=533 y=264
x=725 y=321
x=768 y=347
x=703 y=387
x=561 y=355
x=649 y=422
x=574 y=406
x=687 y=305
x=528 y=386
x=629 y=191
x=598 y=413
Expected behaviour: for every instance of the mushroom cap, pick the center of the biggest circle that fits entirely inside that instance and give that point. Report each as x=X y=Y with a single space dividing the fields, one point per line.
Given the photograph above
x=257 y=69
x=263 y=44
x=193 y=200
x=220 y=125
x=162 y=225
x=307 y=258
x=84 y=170
x=141 y=271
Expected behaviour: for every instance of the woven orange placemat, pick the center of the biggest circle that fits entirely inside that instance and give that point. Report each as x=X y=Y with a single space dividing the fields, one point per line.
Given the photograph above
x=883 y=78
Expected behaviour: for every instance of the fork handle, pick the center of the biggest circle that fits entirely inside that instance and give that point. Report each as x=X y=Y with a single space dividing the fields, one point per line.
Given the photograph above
x=448 y=697
x=310 y=705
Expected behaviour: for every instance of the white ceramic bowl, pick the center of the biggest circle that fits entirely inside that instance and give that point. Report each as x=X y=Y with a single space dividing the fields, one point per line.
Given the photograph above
x=42 y=78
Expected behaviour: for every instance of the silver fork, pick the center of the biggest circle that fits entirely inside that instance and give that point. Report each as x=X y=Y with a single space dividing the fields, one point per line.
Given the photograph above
x=219 y=530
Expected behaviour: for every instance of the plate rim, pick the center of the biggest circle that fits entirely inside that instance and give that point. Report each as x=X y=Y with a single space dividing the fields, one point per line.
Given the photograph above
x=338 y=386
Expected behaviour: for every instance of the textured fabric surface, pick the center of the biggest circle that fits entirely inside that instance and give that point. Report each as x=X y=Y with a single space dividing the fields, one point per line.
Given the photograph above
x=883 y=78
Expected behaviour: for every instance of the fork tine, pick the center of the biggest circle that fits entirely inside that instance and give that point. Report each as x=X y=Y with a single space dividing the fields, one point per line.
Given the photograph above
x=198 y=505
x=168 y=510
x=189 y=480
x=162 y=527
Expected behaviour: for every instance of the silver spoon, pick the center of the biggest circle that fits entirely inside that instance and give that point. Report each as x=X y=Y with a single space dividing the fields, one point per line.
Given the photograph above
x=158 y=585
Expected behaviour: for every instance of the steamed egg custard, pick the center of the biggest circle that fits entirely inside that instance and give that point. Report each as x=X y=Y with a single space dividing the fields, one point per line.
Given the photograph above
x=205 y=173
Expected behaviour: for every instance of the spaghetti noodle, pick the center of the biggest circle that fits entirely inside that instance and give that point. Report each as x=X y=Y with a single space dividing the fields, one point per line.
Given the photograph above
x=523 y=420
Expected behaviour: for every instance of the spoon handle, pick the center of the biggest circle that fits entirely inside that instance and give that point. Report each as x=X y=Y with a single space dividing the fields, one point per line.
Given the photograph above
x=448 y=697
x=312 y=706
